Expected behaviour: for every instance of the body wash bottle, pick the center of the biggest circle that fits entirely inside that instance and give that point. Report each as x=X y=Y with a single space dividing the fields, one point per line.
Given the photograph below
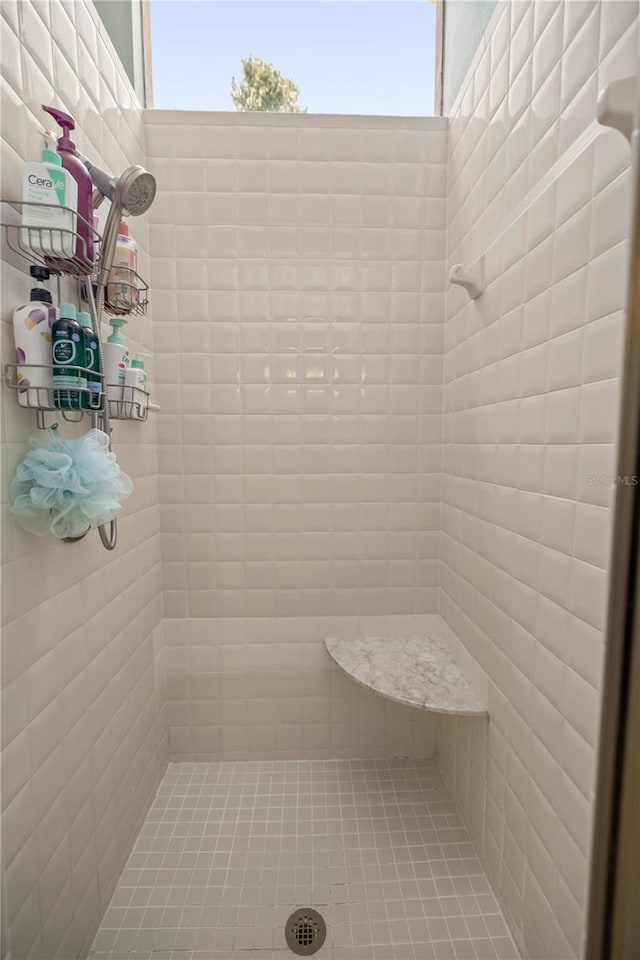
x=32 y=325
x=116 y=358
x=84 y=253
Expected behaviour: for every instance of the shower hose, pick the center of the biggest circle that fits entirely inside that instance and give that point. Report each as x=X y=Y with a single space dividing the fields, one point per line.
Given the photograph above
x=100 y=418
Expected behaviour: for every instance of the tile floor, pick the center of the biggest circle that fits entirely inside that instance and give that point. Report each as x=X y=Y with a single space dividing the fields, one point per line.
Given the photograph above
x=228 y=850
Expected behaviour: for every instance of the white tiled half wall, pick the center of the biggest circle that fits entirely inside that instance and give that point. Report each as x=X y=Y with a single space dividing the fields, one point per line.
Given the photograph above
x=298 y=275
x=531 y=386
x=84 y=735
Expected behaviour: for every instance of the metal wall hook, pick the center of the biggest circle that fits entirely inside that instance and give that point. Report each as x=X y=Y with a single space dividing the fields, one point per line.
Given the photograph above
x=109 y=540
x=75 y=539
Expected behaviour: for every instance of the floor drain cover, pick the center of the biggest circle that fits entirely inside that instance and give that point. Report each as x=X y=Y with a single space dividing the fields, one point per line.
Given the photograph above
x=305 y=931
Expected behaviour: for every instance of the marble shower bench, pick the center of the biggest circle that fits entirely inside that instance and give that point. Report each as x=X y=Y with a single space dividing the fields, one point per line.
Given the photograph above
x=417 y=669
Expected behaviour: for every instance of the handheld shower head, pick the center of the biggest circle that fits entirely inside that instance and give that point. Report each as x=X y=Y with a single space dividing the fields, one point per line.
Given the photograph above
x=133 y=191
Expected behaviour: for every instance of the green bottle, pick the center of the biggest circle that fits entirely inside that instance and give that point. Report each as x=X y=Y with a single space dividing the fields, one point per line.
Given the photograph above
x=93 y=399
x=67 y=352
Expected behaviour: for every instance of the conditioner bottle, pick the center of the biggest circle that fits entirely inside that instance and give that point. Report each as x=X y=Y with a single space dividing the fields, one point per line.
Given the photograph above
x=92 y=400
x=32 y=326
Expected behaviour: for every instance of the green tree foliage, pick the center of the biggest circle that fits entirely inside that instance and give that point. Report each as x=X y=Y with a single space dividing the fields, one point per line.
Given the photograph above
x=262 y=88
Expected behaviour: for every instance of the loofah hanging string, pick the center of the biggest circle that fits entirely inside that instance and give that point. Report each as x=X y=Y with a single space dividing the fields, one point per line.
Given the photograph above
x=62 y=487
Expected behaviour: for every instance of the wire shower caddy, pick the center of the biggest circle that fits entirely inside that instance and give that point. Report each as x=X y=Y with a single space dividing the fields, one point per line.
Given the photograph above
x=63 y=252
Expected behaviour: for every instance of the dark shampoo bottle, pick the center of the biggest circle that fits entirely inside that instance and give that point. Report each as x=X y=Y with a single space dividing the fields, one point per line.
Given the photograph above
x=68 y=354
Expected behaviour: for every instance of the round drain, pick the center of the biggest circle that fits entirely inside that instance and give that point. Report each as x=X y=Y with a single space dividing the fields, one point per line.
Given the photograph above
x=305 y=931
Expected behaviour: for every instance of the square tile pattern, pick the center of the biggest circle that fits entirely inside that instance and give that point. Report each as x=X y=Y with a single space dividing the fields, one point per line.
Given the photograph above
x=530 y=411
x=229 y=850
x=84 y=708
x=300 y=388
x=316 y=385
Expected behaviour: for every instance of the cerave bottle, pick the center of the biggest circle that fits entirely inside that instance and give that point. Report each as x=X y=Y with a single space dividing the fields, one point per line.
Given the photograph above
x=68 y=354
x=50 y=201
x=135 y=385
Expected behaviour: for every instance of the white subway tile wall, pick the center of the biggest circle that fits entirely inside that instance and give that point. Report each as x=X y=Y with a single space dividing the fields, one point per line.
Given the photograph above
x=84 y=723
x=298 y=276
x=531 y=388
x=309 y=480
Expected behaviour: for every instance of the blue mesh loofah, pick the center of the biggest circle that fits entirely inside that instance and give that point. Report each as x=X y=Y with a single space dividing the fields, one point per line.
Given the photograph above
x=64 y=486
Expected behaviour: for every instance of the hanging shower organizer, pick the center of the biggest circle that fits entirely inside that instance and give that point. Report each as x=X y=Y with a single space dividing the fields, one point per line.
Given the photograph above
x=126 y=297
x=49 y=247
x=71 y=404
x=134 y=404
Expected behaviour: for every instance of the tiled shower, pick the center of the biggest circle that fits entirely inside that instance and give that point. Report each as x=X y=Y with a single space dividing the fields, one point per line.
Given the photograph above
x=346 y=444
x=301 y=476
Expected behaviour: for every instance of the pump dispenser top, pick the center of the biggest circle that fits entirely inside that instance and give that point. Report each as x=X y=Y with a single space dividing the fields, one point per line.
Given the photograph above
x=116 y=323
x=67 y=123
